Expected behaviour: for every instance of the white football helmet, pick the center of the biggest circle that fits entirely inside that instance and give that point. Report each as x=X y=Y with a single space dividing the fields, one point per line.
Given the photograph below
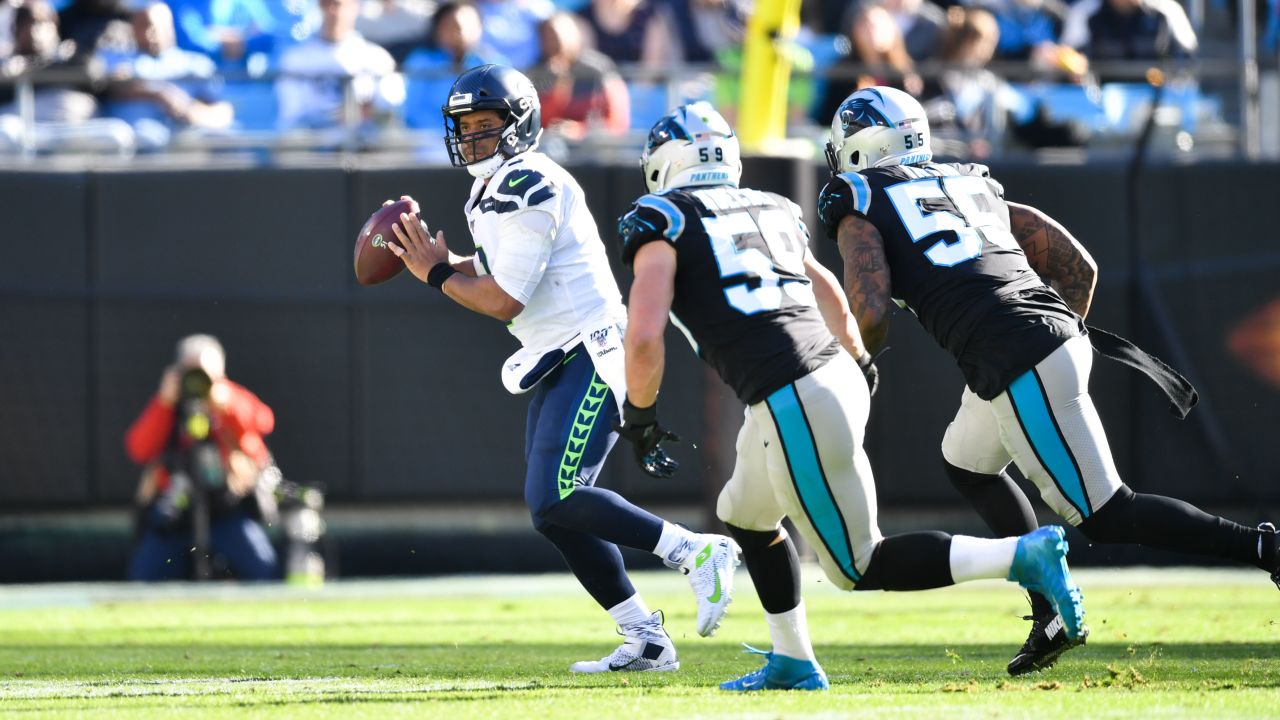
x=691 y=145
x=878 y=126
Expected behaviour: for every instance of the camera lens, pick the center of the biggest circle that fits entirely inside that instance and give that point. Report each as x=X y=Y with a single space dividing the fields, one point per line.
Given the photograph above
x=196 y=383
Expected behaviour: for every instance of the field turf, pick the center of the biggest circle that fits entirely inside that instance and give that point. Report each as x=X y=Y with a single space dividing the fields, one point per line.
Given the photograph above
x=1166 y=644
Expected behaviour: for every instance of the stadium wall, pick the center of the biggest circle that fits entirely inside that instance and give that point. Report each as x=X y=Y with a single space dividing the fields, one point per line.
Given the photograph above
x=391 y=394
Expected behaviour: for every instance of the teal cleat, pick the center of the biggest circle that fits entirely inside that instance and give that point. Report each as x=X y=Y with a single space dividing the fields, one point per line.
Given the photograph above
x=1040 y=565
x=780 y=673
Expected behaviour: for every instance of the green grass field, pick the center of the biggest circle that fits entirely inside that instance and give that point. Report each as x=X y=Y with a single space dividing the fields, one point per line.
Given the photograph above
x=1165 y=644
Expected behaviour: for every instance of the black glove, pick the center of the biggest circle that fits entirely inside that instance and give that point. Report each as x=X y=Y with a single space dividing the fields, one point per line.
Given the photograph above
x=640 y=426
x=869 y=371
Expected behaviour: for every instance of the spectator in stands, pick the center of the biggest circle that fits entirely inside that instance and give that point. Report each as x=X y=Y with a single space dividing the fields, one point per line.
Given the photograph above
x=97 y=25
x=579 y=88
x=920 y=22
x=38 y=48
x=160 y=86
x=229 y=31
x=966 y=96
x=973 y=104
x=1025 y=25
x=316 y=75
x=454 y=44
x=631 y=32
x=1129 y=29
x=718 y=25
x=201 y=433
x=877 y=44
x=7 y=8
x=511 y=28
x=65 y=103
x=397 y=25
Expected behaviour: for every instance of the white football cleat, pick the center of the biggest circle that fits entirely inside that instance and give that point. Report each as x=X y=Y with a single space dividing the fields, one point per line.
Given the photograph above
x=710 y=569
x=647 y=648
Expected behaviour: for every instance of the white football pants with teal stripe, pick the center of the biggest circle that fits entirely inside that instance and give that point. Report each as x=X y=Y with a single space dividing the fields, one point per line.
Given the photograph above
x=800 y=455
x=1046 y=423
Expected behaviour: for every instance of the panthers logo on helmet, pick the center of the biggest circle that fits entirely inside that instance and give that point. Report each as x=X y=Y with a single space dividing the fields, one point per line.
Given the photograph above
x=858 y=113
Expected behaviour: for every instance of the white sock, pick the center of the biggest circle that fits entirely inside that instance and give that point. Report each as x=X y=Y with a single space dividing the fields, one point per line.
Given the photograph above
x=675 y=544
x=630 y=611
x=975 y=558
x=790 y=634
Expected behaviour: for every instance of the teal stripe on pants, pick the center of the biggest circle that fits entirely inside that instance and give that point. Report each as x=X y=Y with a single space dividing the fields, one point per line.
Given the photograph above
x=1037 y=421
x=810 y=482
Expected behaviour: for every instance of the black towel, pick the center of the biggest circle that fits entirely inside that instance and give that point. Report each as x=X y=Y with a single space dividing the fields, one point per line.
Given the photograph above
x=1182 y=395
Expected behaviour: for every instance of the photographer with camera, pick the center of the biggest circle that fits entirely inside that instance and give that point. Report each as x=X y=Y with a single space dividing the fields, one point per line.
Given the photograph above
x=200 y=442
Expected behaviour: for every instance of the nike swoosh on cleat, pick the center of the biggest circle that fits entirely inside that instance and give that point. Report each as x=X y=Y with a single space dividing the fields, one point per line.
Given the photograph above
x=623 y=666
x=715 y=596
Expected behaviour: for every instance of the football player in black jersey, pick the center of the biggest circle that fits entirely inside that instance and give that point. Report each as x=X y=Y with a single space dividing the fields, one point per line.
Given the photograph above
x=1005 y=289
x=733 y=266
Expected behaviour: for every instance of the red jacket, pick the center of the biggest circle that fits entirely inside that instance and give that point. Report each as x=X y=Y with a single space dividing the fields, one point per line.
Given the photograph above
x=239 y=426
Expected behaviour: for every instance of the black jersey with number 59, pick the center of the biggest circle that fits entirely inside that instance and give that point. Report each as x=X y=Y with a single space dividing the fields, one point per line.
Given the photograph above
x=741 y=293
x=954 y=263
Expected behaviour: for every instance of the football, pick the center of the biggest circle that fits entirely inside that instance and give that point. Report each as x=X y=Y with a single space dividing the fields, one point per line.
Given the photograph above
x=374 y=261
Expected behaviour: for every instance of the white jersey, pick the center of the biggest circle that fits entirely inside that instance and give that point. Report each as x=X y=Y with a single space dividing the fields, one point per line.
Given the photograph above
x=534 y=234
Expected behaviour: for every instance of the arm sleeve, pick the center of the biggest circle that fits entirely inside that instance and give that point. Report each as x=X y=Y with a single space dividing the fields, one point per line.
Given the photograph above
x=526 y=238
x=247 y=419
x=652 y=217
x=148 y=434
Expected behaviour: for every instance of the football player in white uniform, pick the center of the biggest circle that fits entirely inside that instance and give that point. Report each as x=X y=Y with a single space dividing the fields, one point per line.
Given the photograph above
x=541 y=267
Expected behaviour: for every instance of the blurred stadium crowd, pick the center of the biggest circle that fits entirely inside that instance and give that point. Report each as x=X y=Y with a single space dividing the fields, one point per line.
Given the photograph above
x=132 y=76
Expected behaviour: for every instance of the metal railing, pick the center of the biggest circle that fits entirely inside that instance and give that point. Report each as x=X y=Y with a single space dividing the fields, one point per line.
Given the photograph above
x=391 y=136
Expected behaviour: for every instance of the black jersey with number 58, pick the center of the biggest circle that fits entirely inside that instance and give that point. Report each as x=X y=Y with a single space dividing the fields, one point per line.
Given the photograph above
x=954 y=263
x=741 y=293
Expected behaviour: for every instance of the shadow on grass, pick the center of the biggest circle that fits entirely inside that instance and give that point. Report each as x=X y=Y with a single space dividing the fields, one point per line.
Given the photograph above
x=544 y=665
x=58 y=678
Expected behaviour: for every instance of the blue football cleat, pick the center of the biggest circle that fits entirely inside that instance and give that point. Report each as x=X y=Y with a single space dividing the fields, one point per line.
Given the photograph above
x=780 y=673
x=1040 y=565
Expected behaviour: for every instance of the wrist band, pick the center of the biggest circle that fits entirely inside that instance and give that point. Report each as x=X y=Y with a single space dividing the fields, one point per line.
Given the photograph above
x=440 y=272
x=632 y=415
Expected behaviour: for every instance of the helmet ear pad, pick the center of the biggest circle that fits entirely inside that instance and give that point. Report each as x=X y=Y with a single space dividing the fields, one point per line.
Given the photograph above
x=869 y=145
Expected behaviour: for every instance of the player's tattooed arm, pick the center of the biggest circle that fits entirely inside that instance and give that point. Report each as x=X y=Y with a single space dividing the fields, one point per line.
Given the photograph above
x=1056 y=256
x=866 y=278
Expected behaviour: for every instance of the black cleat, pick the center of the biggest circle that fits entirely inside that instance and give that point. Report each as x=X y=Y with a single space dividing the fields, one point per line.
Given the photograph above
x=1267 y=527
x=1046 y=643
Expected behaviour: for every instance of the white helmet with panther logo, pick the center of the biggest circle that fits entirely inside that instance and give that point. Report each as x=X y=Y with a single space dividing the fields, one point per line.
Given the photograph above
x=878 y=126
x=691 y=145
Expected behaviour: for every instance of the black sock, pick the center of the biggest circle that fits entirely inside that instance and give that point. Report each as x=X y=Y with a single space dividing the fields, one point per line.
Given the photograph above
x=1170 y=524
x=774 y=568
x=911 y=561
x=1005 y=509
x=597 y=564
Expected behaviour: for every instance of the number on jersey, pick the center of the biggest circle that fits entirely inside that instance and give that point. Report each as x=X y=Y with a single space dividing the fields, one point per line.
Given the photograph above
x=971 y=222
x=771 y=246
